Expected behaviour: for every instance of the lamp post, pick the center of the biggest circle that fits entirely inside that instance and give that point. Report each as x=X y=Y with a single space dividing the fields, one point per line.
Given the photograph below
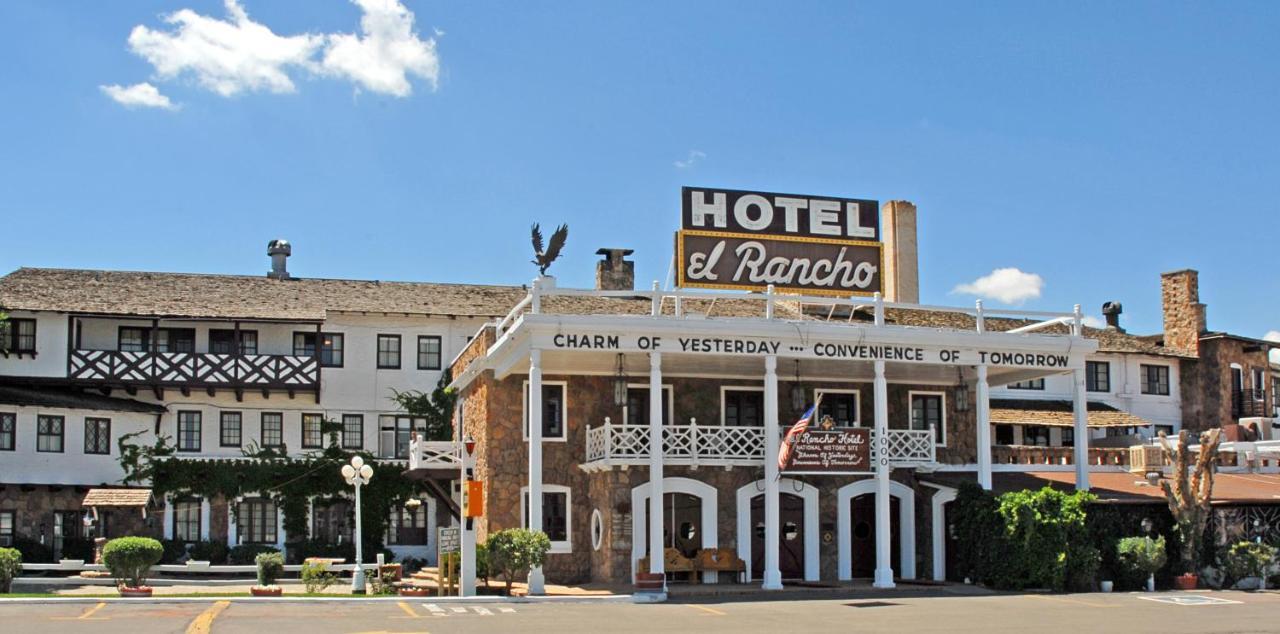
x=358 y=474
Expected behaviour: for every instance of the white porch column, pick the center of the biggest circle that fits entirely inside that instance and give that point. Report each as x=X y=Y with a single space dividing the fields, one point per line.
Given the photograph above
x=657 y=549
x=884 y=537
x=233 y=539
x=467 y=576
x=536 y=580
x=984 y=429
x=205 y=509
x=167 y=530
x=1080 y=408
x=772 y=529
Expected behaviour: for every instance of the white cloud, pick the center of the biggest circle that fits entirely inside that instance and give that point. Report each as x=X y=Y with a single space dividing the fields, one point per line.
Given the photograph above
x=1273 y=335
x=1093 y=322
x=142 y=95
x=386 y=52
x=694 y=157
x=1008 y=285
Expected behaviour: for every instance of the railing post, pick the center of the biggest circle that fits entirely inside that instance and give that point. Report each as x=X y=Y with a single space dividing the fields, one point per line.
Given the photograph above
x=1077 y=324
x=535 y=296
x=980 y=317
x=879 y=309
x=768 y=302
x=657 y=299
x=679 y=305
x=693 y=442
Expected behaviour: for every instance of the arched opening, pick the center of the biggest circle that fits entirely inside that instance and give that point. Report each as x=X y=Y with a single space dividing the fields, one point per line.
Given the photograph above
x=862 y=536
x=688 y=519
x=798 y=554
x=855 y=503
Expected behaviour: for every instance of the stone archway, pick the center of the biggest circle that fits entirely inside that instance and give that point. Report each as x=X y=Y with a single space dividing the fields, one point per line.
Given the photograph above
x=906 y=525
x=787 y=486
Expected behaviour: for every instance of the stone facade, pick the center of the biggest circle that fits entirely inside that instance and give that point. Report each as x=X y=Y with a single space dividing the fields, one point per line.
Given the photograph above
x=1184 y=315
x=34 y=507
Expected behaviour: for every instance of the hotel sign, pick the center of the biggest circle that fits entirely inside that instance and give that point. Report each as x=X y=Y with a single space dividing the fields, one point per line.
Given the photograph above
x=744 y=240
x=833 y=451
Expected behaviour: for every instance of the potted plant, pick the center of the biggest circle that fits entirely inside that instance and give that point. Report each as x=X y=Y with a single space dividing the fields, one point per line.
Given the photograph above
x=270 y=569
x=10 y=568
x=1143 y=556
x=1188 y=492
x=515 y=551
x=1247 y=562
x=130 y=560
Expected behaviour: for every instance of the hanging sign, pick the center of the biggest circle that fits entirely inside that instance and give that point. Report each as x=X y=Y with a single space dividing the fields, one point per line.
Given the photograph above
x=830 y=451
x=731 y=239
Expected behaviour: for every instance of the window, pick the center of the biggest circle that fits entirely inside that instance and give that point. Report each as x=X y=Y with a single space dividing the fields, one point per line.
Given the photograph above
x=189 y=431
x=1155 y=379
x=136 y=339
x=331 y=345
x=186 y=520
x=1033 y=384
x=555 y=515
x=18 y=335
x=256 y=521
x=352 y=431
x=312 y=431
x=396 y=433
x=97 y=436
x=408 y=526
x=8 y=431
x=429 y=352
x=223 y=341
x=230 y=429
x=1004 y=434
x=1259 y=384
x=1035 y=435
x=553 y=410
x=743 y=408
x=272 y=429
x=1097 y=376
x=1068 y=437
x=841 y=406
x=7 y=521
x=49 y=433
x=927 y=409
x=132 y=339
x=331 y=522
x=637 y=412
x=389 y=352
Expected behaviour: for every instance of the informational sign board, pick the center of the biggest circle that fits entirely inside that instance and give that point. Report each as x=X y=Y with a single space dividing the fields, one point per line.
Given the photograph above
x=830 y=451
x=732 y=239
x=448 y=540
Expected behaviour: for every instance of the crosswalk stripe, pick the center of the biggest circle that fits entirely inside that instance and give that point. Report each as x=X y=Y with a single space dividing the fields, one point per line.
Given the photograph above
x=459 y=610
x=506 y=610
x=483 y=611
x=431 y=607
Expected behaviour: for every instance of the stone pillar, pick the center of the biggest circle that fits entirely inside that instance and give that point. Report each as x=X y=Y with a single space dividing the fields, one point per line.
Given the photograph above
x=772 y=521
x=984 y=429
x=536 y=580
x=656 y=454
x=1080 y=407
x=884 y=535
x=1184 y=315
x=901 y=261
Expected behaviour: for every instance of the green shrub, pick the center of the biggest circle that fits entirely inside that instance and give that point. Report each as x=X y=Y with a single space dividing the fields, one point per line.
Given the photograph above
x=383 y=581
x=514 y=551
x=10 y=568
x=482 y=562
x=174 y=551
x=270 y=568
x=1109 y=523
x=130 y=559
x=1249 y=559
x=246 y=554
x=1142 y=555
x=214 y=552
x=317 y=577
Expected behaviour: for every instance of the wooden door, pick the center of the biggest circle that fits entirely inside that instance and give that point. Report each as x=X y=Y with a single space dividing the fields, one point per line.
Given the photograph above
x=862 y=515
x=790 y=538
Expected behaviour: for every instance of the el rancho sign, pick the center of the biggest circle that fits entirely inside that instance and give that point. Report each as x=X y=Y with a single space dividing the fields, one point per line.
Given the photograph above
x=742 y=240
x=844 y=451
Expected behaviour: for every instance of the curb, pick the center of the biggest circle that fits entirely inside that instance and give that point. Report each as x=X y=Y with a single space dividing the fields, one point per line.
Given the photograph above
x=612 y=598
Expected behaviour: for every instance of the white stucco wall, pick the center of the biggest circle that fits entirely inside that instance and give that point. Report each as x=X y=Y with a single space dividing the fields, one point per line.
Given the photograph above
x=50 y=359
x=73 y=466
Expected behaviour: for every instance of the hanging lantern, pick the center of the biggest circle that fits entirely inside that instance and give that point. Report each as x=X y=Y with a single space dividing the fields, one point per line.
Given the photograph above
x=961 y=392
x=797 y=392
x=620 y=383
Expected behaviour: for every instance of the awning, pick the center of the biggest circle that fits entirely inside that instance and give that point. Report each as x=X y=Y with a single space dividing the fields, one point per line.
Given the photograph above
x=1059 y=413
x=71 y=398
x=117 y=497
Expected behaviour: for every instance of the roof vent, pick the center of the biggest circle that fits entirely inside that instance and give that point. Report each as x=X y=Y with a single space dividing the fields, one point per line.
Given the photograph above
x=1111 y=311
x=279 y=250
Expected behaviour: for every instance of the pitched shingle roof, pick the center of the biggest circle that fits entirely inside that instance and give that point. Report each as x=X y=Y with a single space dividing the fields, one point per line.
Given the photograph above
x=1058 y=413
x=117 y=497
x=67 y=398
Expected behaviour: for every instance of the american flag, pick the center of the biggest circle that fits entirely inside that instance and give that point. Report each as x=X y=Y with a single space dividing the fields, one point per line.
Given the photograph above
x=784 y=452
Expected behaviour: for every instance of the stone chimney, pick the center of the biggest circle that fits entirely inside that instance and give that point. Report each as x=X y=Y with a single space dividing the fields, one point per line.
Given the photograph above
x=1184 y=315
x=901 y=272
x=615 y=272
x=1111 y=311
x=279 y=250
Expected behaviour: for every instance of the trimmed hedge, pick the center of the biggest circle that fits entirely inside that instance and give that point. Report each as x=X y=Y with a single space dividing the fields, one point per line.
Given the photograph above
x=10 y=568
x=130 y=559
x=270 y=568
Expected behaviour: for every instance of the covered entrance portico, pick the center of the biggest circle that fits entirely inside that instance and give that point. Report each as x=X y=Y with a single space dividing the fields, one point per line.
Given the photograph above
x=672 y=342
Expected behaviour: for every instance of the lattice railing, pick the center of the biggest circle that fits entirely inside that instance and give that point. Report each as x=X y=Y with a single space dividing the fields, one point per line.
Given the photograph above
x=434 y=454
x=719 y=445
x=194 y=369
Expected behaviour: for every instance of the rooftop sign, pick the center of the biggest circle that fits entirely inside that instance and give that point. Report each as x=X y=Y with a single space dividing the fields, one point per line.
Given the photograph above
x=741 y=240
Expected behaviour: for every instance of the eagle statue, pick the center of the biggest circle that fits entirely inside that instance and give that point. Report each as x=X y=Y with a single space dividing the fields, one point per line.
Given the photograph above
x=543 y=258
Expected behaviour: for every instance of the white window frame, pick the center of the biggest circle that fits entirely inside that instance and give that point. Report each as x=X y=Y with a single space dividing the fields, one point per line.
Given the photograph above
x=738 y=388
x=942 y=433
x=524 y=412
x=557 y=547
x=857 y=401
x=671 y=404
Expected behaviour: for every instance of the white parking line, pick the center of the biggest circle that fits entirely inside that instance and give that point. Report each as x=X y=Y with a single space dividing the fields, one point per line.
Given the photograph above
x=459 y=610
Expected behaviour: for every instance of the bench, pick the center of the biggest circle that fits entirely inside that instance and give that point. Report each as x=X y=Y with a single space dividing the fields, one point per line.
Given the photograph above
x=706 y=560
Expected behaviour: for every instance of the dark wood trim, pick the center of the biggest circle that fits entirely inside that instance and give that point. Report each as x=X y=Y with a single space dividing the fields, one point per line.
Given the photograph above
x=97 y=419
x=377 y=352
x=62 y=435
x=440 y=352
x=177 y=430
x=303 y=426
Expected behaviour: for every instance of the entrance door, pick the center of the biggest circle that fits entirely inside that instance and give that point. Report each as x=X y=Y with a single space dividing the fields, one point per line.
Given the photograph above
x=682 y=524
x=863 y=552
x=950 y=543
x=791 y=539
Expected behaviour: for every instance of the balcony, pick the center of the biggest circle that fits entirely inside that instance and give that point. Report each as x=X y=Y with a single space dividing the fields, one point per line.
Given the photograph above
x=435 y=455
x=187 y=370
x=1250 y=404
x=1036 y=455
x=716 y=445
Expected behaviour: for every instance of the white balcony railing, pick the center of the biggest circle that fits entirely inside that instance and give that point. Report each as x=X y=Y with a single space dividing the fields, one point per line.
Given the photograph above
x=434 y=454
x=717 y=445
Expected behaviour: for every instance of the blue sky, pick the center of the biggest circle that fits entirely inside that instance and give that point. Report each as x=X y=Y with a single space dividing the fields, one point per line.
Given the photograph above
x=1092 y=144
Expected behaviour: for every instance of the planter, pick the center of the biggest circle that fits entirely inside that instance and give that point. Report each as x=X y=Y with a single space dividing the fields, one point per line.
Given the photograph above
x=198 y=565
x=266 y=591
x=1107 y=586
x=1186 y=582
x=71 y=564
x=135 y=593
x=414 y=591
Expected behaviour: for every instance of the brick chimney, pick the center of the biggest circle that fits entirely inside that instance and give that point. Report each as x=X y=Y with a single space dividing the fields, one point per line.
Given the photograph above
x=901 y=272
x=615 y=272
x=1184 y=315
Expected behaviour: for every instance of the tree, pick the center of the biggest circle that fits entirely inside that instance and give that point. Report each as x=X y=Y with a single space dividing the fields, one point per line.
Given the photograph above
x=515 y=551
x=436 y=407
x=1189 y=490
x=4 y=331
